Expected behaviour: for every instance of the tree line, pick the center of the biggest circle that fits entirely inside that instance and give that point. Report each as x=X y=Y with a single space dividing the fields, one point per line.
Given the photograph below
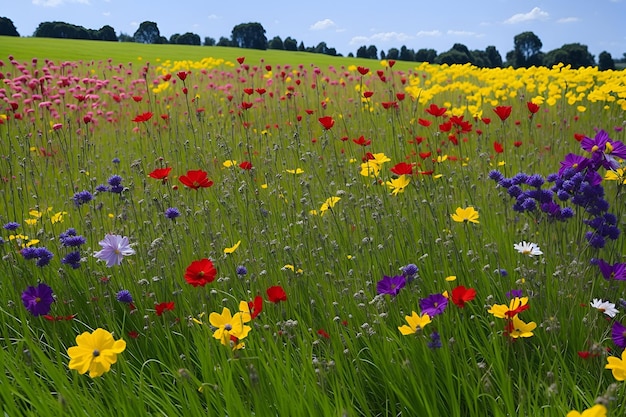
x=526 y=53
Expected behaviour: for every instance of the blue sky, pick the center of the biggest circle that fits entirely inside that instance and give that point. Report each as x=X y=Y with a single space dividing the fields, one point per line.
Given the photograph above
x=346 y=25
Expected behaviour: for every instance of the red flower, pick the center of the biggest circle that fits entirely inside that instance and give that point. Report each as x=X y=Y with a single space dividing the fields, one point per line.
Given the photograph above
x=425 y=155
x=424 y=122
x=276 y=294
x=400 y=96
x=323 y=333
x=143 y=117
x=389 y=104
x=532 y=107
x=391 y=63
x=260 y=91
x=245 y=165
x=160 y=173
x=200 y=273
x=245 y=105
x=503 y=112
x=402 y=168
x=195 y=179
x=255 y=306
x=497 y=146
x=363 y=70
x=167 y=306
x=512 y=313
x=486 y=120
x=133 y=334
x=436 y=110
x=248 y=91
x=579 y=136
x=461 y=295
x=517 y=143
x=241 y=59
x=327 y=121
x=137 y=99
x=362 y=141
x=308 y=111
x=446 y=127
x=368 y=94
x=182 y=75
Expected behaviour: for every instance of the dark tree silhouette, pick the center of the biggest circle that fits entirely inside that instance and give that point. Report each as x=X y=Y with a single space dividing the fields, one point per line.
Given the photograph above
x=526 y=52
x=209 y=41
x=61 y=30
x=276 y=43
x=7 y=28
x=105 y=33
x=148 y=32
x=573 y=54
x=249 y=35
x=223 y=41
x=493 y=57
x=392 y=53
x=290 y=44
x=188 y=38
x=406 y=54
x=426 y=55
x=605 y=61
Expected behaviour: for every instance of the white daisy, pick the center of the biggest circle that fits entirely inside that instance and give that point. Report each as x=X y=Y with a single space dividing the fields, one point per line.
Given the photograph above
x=605 y=307
x=528 y=248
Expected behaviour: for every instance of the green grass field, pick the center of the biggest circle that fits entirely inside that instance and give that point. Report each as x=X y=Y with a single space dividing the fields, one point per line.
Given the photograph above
x=414 y=240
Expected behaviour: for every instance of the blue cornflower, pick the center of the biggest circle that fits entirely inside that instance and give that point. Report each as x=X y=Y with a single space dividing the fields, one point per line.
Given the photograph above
x=535 y=180
x=29 y=253
x=82 y=197
x=172 y=213
x=124 y=296
x=241 y=270
x=72 y=259
x=409 y=270
x=115 y=181
x=102 y=188
x=116 y=160
x=496 y=175
x=11 y=226
x=44 y=256
x=435 y=341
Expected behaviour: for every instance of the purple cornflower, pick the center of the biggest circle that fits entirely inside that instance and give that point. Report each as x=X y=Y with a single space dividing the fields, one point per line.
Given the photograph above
x=70 y=238
x=124 y=296
x=514 y=294
x=618 y=334
x=612 y=272
x=82 y=197
x=172 y=213
x=72 y=259
x=114 y=248
x=37 y=300
x=102 y=188
x=115 y=181
x=11 y=226
x=241 y=270
x=391 y=285
x=433 y=305
x=435 y=341
x=44 y=256
x=116 y=160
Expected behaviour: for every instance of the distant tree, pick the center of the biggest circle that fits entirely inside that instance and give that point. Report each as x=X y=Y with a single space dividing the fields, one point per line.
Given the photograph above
x=480 y=58
x=174 y=38
x=321 y=48
x=276 y=43
x=494 y=58
x=208 y=41
x=223 y=41
x=382 y=54
x=61 y=30
x=605 y=61
x=301 y=47
x=290 y=44
x=372 y=52
x=406 y=54
x=105 y=33
x=573 y=54
x=125 y=37
x=392 y=53
x=426 y=55
x=362 y=52
x=350 y=55
x=188 y=38
x=526 y=52
x=453 y=56
x=7 y=28
x=249 y=35
x=148 y=32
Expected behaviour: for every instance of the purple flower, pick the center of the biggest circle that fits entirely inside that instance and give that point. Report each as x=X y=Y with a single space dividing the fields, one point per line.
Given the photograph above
x=391 y=285
x=618 y=333
x=435 y=341
x=609 y=272
x=241 y=270
x=82 y=197
x=573 y=161
x=114 y=248
x=11 y=226
x=72 y=259
x=37 y=300
x=433 y=305
x=102 y=188
x=514 y=294
x=124 y=296
x=172 y=213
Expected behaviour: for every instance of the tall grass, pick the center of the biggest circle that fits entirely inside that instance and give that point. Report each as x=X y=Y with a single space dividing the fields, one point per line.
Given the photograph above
x=333 y=347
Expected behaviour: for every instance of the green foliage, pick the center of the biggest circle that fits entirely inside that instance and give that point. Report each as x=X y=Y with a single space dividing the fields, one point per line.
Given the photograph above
x=249 y=35
x=7 y=28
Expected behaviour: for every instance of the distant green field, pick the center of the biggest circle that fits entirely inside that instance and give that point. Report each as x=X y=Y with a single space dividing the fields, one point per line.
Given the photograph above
x=24 y=49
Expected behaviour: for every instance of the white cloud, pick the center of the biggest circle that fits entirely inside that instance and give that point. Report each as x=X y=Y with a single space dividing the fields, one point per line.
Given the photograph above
x=107 y=14
x=322 y=25
x=213 y=17
x=55 y=3
x=463 y=33
x=535 y=14
x=381 y=37
x=359 y=40
x=431 y=33
x=568 y=20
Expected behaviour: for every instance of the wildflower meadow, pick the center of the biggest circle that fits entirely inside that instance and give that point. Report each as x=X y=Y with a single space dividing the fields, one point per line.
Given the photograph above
x=243 y=237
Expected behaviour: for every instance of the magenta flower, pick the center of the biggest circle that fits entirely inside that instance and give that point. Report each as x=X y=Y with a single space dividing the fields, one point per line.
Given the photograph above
x=610 y=272
x=434 y=304
x=618 y=333
x=114 y=248
x=391 y=285
x=37 y=300
x=576 y=162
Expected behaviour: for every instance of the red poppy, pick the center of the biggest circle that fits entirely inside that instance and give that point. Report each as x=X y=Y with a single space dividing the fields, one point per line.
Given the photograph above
x=137 y=99
x=389 y=104
x=241 y=59
x=517 y=143
x=532 y=107
x=182 y=75
x=497 y=146
x=245 y=105
x=461 y=295
x=368 y=94
x=363 y=70
x=323 y=333
x=260 y=91
x=391 y=63
x=400 y=96
x=424 y=122
x=486 y=120
x=245 y=165
x=503 y=112
x=436 y=110
x=402 y=168
x=579 y=136
x=327 y=121
x=248 y=91
x=425 y=155
x=196 y=179
x=362 y=141
x=162 y=307
x=512 y=313
x=308 y=111
x=445 y=127
x=276 y=294
x=200 y=273
x=133 y=334
x=143 y=117
x=160 y=173
x=255 y=306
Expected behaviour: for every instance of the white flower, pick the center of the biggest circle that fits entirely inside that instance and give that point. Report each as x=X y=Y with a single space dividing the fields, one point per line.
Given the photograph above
x=605 y=307
x=528 y=248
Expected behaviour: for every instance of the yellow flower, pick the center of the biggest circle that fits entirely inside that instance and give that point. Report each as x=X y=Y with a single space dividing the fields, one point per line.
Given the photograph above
x=292 y=268
x=229 y=163
x=468 y=214
x=96 y=352
x=416 y=323
x=451 y=278
x=503 y=311
x=30 y=222
x=399 y=184
x=597 y=410
x=521 y=329
x=295 y=171
x=232 y=248
x=228 y=326
x=370 y=169
x=58 y=217
x=328 y=204
x=35 y=213
x=617 y=175
x=617 y=366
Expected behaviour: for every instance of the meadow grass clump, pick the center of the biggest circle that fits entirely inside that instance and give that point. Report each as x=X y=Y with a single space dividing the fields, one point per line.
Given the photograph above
x=233 y=237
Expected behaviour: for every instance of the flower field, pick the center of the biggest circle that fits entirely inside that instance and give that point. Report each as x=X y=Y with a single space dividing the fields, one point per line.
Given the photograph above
x=222 y=237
